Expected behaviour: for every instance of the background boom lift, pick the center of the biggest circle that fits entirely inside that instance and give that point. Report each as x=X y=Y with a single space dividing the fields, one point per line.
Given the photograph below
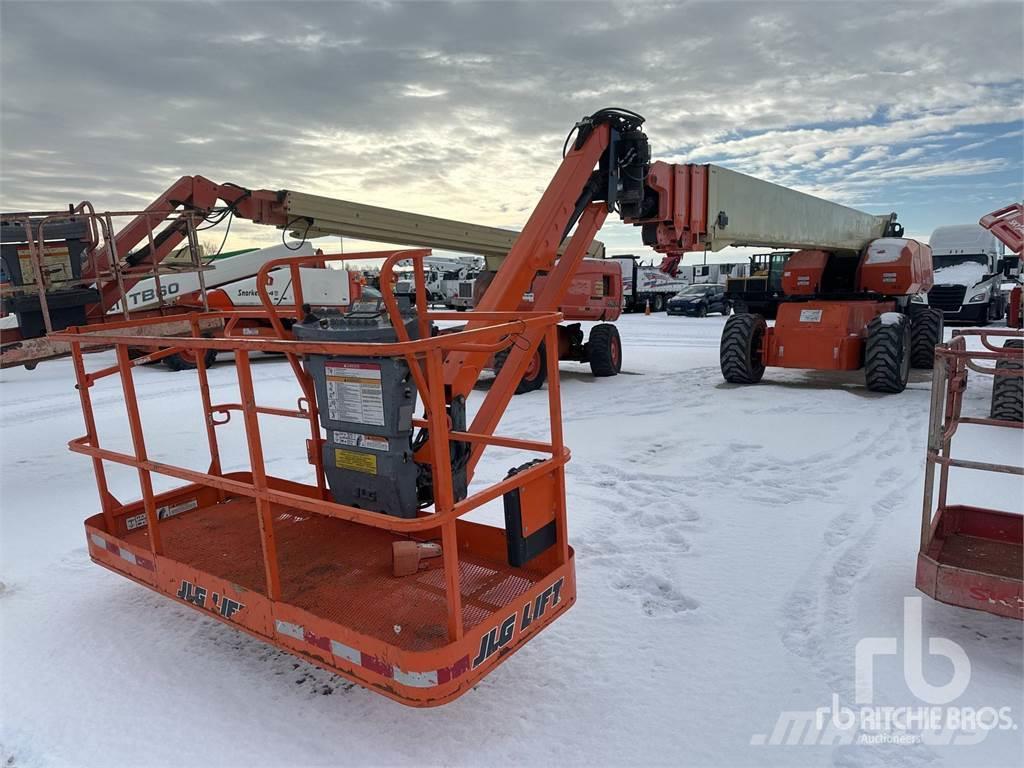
x=1007 y=224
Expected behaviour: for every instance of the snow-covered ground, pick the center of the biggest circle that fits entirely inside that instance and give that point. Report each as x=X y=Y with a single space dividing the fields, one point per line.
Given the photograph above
x=733 y=546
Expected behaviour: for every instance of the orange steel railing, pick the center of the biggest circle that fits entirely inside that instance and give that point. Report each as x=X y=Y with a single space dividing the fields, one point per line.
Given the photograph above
x=102 y=241
x=425 y=356
x=953 y=360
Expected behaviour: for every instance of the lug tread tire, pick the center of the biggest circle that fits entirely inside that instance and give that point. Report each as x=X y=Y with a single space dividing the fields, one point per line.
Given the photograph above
x=599 y=350
x=885 y=367
x=525 y=385
x=177 y=363
x=740 y=351
x=1008 y=391
x=926 y=331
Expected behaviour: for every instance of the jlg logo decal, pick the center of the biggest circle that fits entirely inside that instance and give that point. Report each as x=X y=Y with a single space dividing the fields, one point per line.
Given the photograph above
x=502 y=635
x=196 y=595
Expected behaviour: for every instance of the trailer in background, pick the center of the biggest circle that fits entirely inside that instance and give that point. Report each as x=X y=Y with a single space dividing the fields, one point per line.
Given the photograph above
x=645 y=283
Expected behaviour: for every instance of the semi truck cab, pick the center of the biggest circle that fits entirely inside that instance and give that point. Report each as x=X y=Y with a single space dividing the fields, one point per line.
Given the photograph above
x=968 y=263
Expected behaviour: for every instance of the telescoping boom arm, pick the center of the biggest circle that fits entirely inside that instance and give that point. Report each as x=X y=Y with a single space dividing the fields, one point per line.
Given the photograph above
x=606 y=167
x=304 y=215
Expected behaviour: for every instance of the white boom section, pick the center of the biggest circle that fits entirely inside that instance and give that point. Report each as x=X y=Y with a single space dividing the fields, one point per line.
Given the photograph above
x=342 y=218
x=221 y=272
x=320 y=288
x=763 y=214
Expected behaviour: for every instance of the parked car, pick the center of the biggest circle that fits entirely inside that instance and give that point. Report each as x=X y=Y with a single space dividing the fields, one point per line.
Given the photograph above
x=699 y=300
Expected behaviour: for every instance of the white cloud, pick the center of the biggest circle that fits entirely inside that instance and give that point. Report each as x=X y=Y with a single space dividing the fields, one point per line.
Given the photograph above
x=459 y=111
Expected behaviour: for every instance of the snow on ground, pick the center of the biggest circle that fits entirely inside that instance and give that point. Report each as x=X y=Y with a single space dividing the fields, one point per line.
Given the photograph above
x=733 y=544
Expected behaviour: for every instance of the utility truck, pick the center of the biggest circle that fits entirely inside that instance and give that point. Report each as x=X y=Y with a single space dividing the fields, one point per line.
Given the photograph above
x=968 y=264
x=443 y=277
x=646 y=285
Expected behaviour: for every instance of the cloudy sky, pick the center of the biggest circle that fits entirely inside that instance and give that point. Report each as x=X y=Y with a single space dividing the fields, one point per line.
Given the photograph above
x=460 y=110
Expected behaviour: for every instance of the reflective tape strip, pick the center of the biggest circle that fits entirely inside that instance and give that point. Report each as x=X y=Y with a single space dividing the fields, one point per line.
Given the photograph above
x=357 y=658
x=416 y=679
x=343 y=651
x=123 y=552
x=293 y=631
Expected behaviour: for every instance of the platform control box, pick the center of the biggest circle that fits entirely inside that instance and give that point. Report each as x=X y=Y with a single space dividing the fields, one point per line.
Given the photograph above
x=366 y=408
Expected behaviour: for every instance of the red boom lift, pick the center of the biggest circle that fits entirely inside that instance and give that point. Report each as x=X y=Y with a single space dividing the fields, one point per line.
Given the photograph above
x=1008 y=225
x=842 y=312
x=974 y=556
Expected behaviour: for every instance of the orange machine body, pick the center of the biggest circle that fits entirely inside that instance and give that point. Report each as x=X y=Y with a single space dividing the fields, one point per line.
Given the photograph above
x=826 y=333
x=594 y=292
x=895 y=266
x=804 y=272
x=821 y=335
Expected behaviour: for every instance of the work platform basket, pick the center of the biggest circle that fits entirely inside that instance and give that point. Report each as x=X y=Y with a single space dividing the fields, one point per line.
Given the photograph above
x=282 y=561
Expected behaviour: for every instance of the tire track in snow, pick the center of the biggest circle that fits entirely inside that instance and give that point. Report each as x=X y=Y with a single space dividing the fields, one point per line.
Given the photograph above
x=650 y=546
x=818 y=621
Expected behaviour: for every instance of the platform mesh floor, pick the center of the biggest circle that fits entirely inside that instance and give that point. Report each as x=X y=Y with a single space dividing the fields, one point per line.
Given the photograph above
x=999 y=558
x=338 y=570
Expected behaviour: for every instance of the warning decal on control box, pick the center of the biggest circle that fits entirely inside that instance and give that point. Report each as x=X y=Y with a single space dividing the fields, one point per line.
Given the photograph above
x=358 y=462
x=356 y=440
x=810 y=315
x=354 y=393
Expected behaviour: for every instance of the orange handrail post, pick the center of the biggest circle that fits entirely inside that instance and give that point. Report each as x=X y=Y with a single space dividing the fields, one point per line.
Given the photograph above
x=204 y=392
x=139 y=446
x=557 y=447
x=443 y=496
x=91 y=433
x=259 y=475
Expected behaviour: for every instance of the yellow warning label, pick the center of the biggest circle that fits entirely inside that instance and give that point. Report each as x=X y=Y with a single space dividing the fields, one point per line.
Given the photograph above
x=359 y=462
x=56 y=263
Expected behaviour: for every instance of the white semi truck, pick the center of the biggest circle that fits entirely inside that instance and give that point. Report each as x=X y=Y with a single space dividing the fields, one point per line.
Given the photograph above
x=968 y=263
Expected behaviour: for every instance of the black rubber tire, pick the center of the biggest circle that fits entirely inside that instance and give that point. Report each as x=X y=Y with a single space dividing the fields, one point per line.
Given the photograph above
x=657 y=303
x=702 y=310
x=604 y=350
x=1008 y=391
x=526 y=384
x=178 y=363
x=740 y=354
x=926 y=330
x=887 y=355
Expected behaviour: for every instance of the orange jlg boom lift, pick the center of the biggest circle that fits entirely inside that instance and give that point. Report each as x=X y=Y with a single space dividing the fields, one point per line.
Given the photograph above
x=372 y=570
